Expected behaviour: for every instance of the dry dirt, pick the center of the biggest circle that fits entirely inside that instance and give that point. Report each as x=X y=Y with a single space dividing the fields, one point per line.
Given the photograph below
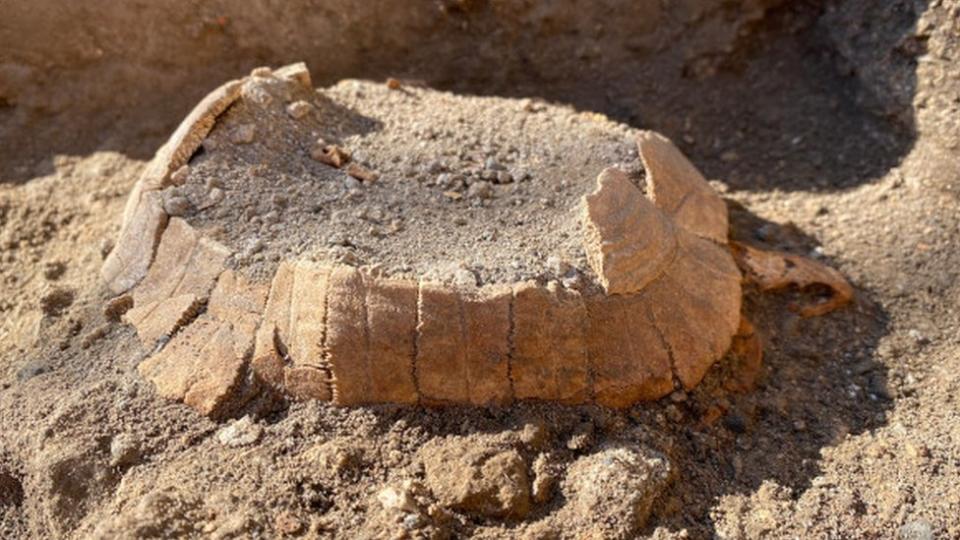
x=487 y=185
x=834 y=126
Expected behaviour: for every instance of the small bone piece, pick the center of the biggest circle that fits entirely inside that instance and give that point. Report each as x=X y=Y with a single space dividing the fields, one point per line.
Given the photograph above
x=774 y=270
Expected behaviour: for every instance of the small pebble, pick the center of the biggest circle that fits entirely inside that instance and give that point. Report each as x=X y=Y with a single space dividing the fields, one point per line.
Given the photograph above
x=480 y=190
x=299 y=109
x=216 y=195
x=557 y=266
x=329 y=154
x=124 y=450
x=243 y=134
x=919 y=529
x=262 y=72
x=177 y=205
x=179 y=176
x=362 y=173
x=351 y=183
x=241 y=432
x=491 y=164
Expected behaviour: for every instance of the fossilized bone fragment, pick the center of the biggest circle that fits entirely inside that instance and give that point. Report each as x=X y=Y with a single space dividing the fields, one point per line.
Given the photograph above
x=648 y=300
x=773 y=270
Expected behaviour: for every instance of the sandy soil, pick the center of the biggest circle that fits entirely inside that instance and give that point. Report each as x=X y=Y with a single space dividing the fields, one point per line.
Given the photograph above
x=834 y=127
x=490 y=186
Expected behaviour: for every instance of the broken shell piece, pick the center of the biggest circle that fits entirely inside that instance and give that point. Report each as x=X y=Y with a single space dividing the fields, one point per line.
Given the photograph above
x=362 y=173
x=329 y=154
x=678 y=188
x=143 y=215
x=298 y=109
x=296 y=72
x=627 y=240
x=774 y=270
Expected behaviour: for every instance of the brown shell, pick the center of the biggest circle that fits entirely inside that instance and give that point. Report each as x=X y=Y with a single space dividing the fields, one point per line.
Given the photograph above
x=669 y=307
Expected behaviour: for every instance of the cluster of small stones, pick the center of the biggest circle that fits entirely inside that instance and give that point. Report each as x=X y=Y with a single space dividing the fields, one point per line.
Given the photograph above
x=668 y=307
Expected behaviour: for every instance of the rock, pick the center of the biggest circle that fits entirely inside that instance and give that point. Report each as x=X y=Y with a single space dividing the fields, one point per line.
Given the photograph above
x=397 y=498
x=216 y=195
x=610 y=493
x=298 y=109
x=491 y=164
x=243 y=134
x=545 y=475
x=351 y=183
x=582 y=438
x=297 y=73
x=336 y=457
x=124 y=450
x=177 y=205
x=480 y=190
x=477 y=477
x=919 y=529
x=241 y=432
x=362 y=173
x=401 y=512
x=557 y=266
x=534 y=434
x=261 y=72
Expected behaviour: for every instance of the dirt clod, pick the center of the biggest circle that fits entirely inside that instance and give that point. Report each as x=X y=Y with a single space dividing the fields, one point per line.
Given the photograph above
x=242 y=432
x=612 y=491
x=477 y=477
